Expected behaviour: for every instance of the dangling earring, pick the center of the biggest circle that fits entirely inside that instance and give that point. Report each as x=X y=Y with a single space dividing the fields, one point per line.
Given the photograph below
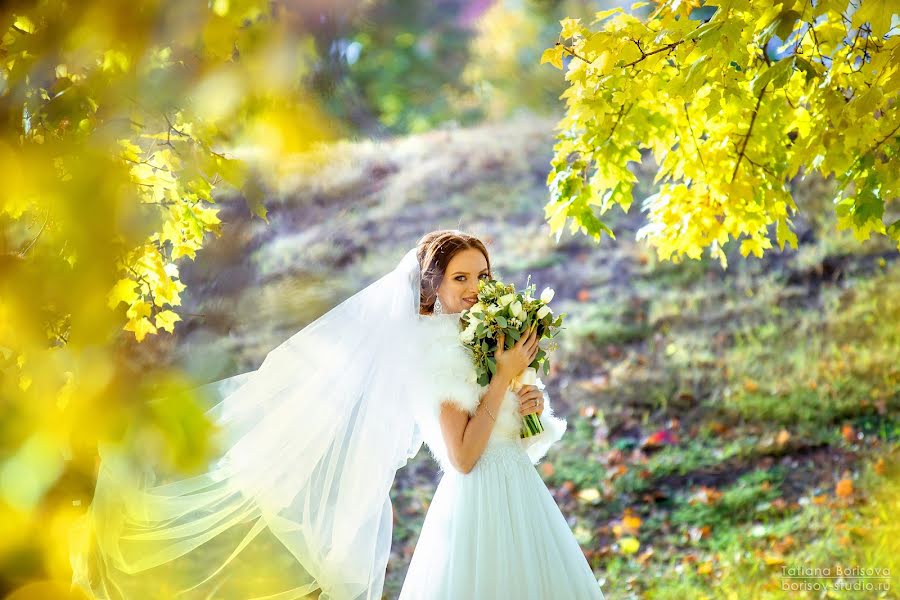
x=438 y=309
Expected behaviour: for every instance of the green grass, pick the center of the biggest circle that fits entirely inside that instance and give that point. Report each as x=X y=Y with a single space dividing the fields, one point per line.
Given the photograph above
x=747 y=498
x=835 y=366
x=606 y=321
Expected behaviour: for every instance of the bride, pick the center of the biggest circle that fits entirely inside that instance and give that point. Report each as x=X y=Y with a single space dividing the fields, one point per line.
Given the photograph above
x=298 y=503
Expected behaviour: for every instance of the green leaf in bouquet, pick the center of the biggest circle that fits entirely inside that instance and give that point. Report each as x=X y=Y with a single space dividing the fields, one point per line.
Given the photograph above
x=501 y=321
x=515 y=335
x=492 y=366
x=546 y=368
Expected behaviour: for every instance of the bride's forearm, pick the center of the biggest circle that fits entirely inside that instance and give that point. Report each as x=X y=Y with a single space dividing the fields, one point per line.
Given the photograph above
x=478 y=430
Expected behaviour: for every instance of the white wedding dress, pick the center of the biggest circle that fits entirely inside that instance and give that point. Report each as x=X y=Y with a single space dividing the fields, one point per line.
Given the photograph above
x=495 y=532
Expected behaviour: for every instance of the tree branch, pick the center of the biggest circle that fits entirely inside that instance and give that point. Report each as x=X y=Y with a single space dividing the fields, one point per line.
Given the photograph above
x=573 y=53
x=687 y=117
x=667 y=47
x=34 y=240
x=749 y=130
x=885 y=138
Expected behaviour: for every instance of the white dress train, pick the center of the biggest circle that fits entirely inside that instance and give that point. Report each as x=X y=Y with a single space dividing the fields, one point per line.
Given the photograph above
x=495 y=532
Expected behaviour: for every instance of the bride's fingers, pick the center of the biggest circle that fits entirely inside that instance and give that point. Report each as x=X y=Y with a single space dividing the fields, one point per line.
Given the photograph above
x=533 y=339
x=529 y=406
x=527 y=335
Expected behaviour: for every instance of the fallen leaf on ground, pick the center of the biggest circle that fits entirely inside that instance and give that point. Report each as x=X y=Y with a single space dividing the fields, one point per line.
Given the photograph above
x=848 y=433
x=844 y=488
x=629 y=545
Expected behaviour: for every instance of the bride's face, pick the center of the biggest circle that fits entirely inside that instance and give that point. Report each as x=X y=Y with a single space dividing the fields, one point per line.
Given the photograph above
x=459 y=287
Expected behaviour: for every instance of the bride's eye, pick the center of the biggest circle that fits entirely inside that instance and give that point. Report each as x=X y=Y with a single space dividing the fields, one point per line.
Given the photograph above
x=482 y=276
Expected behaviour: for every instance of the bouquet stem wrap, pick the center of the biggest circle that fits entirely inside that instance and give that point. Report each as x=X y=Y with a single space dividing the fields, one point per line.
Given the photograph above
x=531 y=424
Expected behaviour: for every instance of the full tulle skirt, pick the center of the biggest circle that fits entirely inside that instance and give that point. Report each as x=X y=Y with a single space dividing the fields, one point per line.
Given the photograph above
x=496 y=532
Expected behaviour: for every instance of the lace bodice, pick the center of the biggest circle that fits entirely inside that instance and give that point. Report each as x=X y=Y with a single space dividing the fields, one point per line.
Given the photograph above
x=449 y=376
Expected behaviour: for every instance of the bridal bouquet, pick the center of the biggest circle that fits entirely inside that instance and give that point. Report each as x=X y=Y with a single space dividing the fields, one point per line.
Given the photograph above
x=501 y=309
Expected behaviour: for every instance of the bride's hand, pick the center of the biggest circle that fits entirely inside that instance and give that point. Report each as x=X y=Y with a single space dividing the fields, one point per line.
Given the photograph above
x=513 y=361
x=531 y=400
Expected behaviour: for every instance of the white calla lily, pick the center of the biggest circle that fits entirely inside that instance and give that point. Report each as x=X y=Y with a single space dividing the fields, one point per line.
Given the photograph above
x=543 y=312
x=547 y=295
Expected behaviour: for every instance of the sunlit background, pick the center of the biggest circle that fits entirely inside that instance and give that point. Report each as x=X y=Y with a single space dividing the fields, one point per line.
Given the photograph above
x=186 y=184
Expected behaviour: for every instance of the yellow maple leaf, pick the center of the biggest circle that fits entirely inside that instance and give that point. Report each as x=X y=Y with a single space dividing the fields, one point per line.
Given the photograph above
x=553 y=56
x=166 y=320
x=141 y=327
x=138 y=309
x=123 y=291
x=570 y=27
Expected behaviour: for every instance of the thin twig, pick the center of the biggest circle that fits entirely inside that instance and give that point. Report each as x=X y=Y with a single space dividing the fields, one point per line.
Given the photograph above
x=34 y=240
x=694 y=137
x=885 y=138
x=573 y=53
x=749 y=130
x=644 y=55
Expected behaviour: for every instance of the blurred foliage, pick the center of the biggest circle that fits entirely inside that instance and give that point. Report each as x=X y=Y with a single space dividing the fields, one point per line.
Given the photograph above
x=392 y=67
x=734 y=101
x=120 y=125
x=506 y=44
x=405 y=66
x=408 y=66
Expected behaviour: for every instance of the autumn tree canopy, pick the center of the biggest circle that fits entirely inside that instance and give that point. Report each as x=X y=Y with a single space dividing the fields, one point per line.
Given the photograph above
x=119 y=125
x=735 y=100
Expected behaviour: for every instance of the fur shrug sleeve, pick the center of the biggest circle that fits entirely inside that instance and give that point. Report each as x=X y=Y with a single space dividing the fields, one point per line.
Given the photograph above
x=448 y=366
x=443 y=371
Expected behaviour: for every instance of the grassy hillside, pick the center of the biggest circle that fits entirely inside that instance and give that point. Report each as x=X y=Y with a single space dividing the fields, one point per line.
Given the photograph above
x=732 y=422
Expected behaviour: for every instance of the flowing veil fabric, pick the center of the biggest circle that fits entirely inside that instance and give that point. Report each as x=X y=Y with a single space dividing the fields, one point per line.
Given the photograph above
x=299 y=499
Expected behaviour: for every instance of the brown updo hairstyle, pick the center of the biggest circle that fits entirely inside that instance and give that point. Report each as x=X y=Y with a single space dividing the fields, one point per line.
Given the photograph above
x=434 y=251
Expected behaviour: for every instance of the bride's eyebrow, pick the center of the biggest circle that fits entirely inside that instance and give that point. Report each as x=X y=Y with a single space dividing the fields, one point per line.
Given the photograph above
x=464 y=273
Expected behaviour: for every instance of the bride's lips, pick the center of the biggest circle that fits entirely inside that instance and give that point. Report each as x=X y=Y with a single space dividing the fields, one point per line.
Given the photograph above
x=470 y=300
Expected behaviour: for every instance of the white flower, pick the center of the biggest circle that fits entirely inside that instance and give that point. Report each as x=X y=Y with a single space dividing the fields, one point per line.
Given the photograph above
x=516 y=309
x=477 y=307
x=507 y=299
x=467 y=334
x=547 y=295
x=543 y=312
x=493 y=309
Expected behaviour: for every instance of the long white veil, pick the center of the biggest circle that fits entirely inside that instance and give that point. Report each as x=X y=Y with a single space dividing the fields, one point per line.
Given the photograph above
x=300 y=498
